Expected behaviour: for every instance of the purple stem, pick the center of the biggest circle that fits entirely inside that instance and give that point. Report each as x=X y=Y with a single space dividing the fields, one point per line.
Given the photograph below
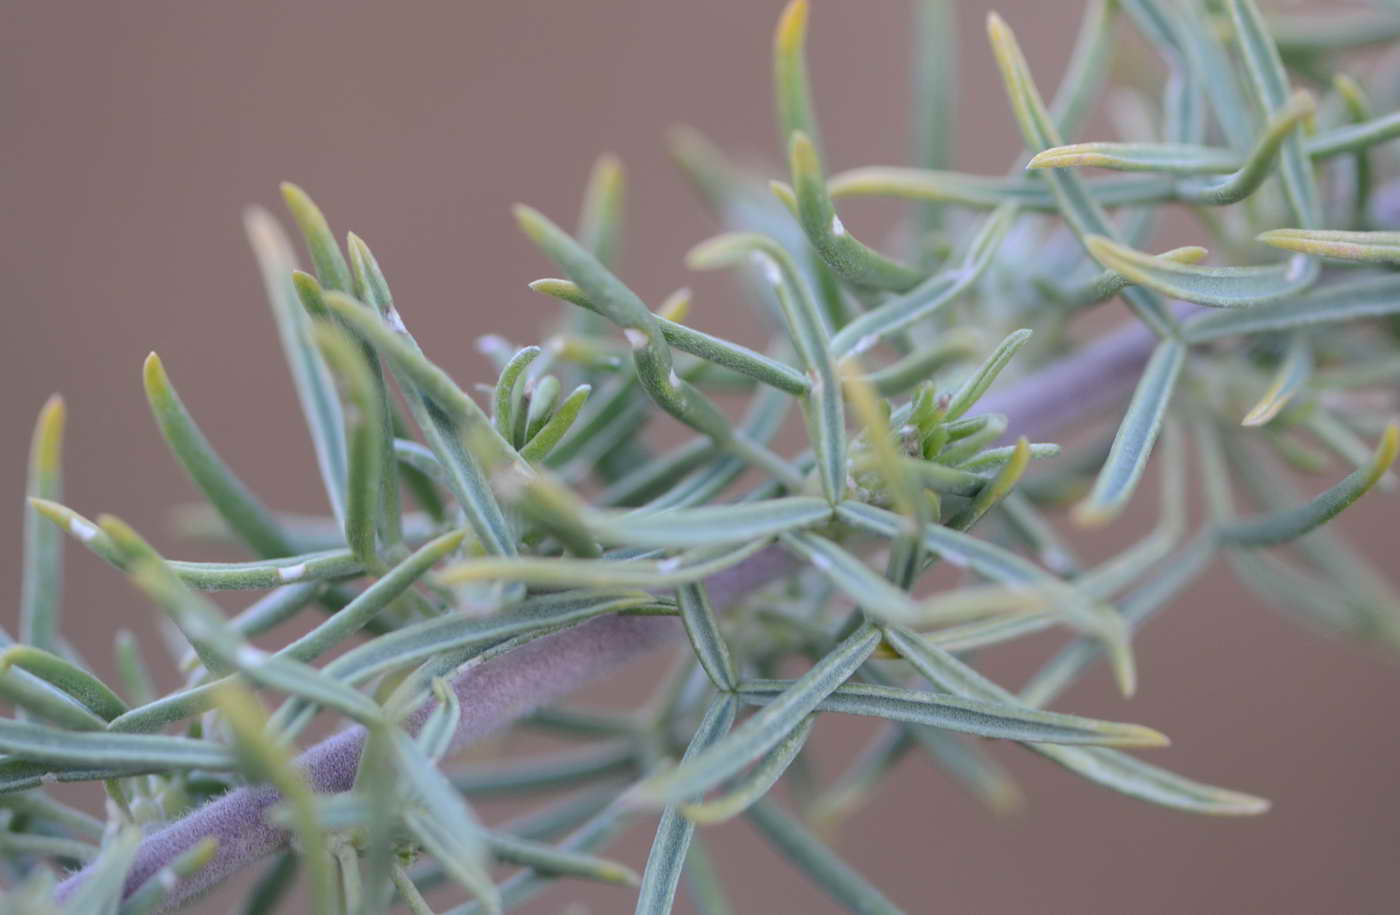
x=512 y=685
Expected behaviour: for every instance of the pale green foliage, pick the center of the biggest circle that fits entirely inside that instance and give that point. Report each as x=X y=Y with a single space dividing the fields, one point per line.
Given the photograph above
x=543 y=510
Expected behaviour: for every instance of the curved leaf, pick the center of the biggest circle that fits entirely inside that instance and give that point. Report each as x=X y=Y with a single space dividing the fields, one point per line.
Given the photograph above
x=1132 y=444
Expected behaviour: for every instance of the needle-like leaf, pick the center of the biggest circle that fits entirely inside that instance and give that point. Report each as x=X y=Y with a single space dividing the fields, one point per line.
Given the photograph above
x=41 y=578
x=1220 y=287
x=1132 y=444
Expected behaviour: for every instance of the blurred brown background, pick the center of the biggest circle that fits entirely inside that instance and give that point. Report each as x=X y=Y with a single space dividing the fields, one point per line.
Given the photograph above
x=135 y=132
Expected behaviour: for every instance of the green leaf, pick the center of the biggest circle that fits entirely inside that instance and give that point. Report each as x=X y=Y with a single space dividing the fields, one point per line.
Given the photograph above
x=1132 y=444
x=1192 y=161
x=807 y=329
x=1107 y=767
x=935 y=91
x=41 y=575
x=1371 y=297
x=518 y=775
x=73 y=680
x=434 y=738
x=705 y=636
x=710 y=348
x=1077 y=205
x=369 y=602
x=849 y=258
x=1291 y=377
x=559 y=862
x=557 y=426
x=999 y=564
x=444 y=412
x=898 y=312
x=600 y=218
x=312 y=381
x=235 y=503
x=510 y=394
x=981 y=379
x=754 y=784
x=984 y=192
x=1362 y=247
x=1135 y=778
x=211 y=576
x=818 y=862
x=331 y=268
x=760 y=733
x=100 y=893
x=56 y=747
x=367 y=445
x=848 y=572
x=1281 y=527
x=268 y=760
x=791 y=85
x=999 y=720
x=1270 y=83
x=1175 y=574
x=712 y=525
x=44 y=700
x=445 y=824
x=674 y=831
x=651 y=355
x=1220 y=287
x=1172 y=158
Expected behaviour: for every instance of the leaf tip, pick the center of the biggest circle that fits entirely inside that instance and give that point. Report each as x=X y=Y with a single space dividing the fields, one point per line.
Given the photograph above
x=791 y=33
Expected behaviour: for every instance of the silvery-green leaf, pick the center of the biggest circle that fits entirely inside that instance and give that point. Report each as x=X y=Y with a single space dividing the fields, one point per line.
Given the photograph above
x=875 y=593
x=510 y=394
x=312 y=381
x=239 y=508
x=848 y=257
x=1290 y=378
x=40 y=743
x=1000 y=720
x=674 y=831
x=1219 y=287
x=1137 y=432
x=1363 y=247
x=1290 y=524
x=1371 y=297
x=791 y=86
x=41 y=576
x=711 y=525
x=754 y=784
x=518 y=775
x=444 y=823
x=600 y=217
x=567 y=572
x=1269 y=81
x=1077 y=205
x=818 y=861
x=977 y=383
x=705 y=637
x=915 y=304
x=807 y=328
x=101 y=892
x=760 y=733
x=73 y=680
x=698 y=343
x=1002 y=565
x=1107 y=767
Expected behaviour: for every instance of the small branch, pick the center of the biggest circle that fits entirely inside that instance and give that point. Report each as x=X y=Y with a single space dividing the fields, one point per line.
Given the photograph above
x=499 y=691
